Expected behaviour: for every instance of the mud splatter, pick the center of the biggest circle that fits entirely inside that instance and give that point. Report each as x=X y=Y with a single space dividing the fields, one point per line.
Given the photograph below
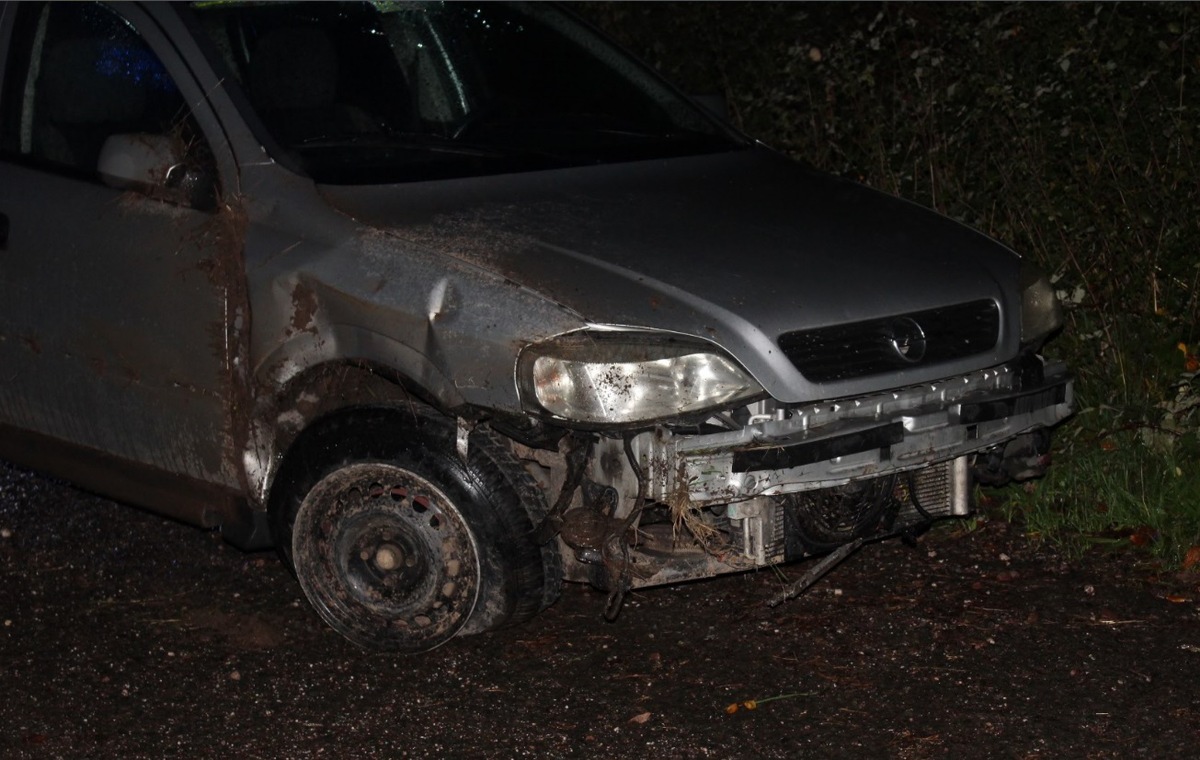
x=304 y=308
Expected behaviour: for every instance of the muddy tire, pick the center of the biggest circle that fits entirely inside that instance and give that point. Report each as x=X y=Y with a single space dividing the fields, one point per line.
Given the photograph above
x=398 y=543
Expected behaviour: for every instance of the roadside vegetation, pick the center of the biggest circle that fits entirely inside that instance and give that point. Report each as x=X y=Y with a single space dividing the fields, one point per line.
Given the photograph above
x=1066 y=130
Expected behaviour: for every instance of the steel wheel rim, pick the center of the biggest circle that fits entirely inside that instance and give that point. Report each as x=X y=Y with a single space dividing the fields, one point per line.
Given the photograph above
x=386 y=558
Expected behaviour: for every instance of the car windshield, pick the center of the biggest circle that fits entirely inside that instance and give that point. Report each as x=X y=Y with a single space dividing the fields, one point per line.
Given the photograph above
x=357 y=93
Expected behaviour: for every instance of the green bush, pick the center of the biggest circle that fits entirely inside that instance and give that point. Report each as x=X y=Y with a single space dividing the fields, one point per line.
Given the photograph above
x=1066 y=130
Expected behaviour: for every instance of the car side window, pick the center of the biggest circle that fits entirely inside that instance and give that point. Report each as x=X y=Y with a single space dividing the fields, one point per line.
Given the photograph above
x=85 y=95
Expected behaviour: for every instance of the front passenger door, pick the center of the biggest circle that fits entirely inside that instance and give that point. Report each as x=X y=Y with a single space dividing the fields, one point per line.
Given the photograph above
x=117 y=292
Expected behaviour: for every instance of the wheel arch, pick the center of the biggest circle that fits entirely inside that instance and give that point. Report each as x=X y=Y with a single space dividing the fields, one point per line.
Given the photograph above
x=281 y=416
x=336 y=386
x=305 y=379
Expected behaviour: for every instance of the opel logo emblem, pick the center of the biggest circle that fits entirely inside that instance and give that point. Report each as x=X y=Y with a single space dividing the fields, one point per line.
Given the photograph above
x=907 y=339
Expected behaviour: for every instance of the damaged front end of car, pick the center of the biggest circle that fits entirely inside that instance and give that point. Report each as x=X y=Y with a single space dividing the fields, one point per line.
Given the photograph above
x=679 y=466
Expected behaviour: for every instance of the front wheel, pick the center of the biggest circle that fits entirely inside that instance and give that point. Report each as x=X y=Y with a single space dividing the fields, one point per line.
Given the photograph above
x=399 y=542
x=386 y=558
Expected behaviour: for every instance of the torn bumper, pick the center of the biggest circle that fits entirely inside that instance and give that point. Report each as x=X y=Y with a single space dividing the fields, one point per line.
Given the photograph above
x=758 y=480
x=825 y=445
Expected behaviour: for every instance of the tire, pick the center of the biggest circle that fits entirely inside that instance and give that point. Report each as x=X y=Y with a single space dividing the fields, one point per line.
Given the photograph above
x=397 y=542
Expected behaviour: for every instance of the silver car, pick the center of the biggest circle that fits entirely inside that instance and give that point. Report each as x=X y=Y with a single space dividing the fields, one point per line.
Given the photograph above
x=452 y=303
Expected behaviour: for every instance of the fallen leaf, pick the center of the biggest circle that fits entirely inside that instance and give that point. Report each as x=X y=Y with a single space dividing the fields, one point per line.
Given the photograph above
x=1177 y=599
x=1190 y=362
x=1192 y=558
x=1143 y=536
x=640 y=718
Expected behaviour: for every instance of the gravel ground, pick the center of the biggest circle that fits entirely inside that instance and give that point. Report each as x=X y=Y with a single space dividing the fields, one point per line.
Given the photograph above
x=126 y=635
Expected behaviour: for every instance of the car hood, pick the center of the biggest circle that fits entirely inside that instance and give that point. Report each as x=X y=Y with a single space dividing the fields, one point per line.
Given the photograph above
x=735 y=248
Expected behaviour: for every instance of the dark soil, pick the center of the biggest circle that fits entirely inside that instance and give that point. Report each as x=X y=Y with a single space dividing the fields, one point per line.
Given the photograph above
x=125 y=635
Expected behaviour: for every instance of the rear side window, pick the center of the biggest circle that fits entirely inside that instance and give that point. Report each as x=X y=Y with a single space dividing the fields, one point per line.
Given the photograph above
x=79 y=73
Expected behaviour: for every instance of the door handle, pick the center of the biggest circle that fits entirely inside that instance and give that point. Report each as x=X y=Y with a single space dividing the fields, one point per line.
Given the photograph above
x=3 y=232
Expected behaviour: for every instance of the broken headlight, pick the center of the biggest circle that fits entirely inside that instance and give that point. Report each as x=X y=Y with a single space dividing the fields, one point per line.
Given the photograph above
x=1041 y=314
x=602 y=378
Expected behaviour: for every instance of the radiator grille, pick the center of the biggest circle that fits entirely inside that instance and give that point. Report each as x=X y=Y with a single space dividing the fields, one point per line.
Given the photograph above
x=860 y=349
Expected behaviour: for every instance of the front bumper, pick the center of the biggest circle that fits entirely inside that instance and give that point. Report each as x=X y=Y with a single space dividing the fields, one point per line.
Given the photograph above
x=752 y=486
x=829 y=444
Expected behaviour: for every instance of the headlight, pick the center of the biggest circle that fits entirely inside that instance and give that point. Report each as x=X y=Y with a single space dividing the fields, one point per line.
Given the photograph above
x=601 y=378
x=1041 y=314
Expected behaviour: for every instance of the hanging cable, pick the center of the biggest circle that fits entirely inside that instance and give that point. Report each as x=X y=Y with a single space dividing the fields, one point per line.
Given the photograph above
x=617 y=541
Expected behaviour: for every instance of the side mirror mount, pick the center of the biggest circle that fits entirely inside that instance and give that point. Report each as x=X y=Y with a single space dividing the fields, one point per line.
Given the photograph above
x=153 y=165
